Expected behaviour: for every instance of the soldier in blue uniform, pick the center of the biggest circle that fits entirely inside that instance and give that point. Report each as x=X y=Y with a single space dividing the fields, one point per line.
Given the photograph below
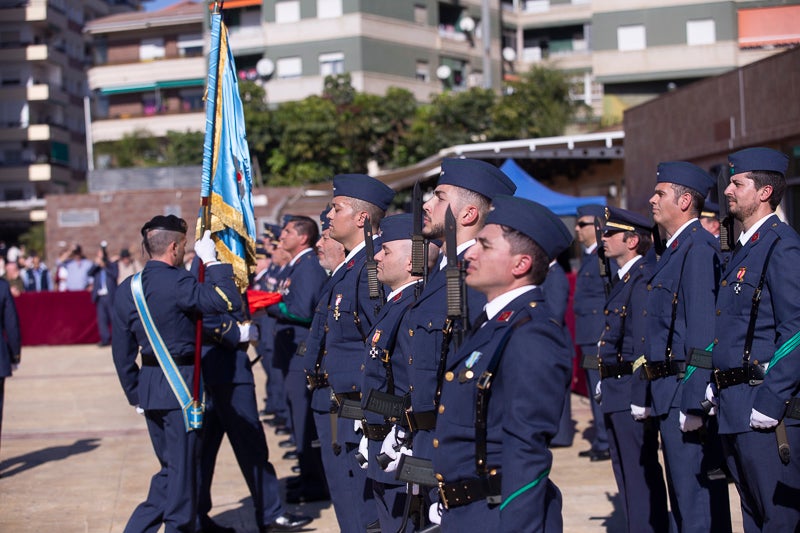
x=633 y=444
x=301 y=288
x=358 y=199
x=10 y=350
x=173 y=296
x=680 y=318
x=757 y=340
x=588 y=304
x=467 y=187
x=491 y=453
x=394 y=271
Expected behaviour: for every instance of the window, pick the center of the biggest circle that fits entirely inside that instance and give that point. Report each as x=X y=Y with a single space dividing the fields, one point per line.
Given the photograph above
x=631 y=38
x=331 y=64
x=191 y=99
x=287 y=12
x=420 y=14
x=423 y=71
x=151 y=49
x=701 y=32
x=328 y=9
x=190 y=45
x=289 y=67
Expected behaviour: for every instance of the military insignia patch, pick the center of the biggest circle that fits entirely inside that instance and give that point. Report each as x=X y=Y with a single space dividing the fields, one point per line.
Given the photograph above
x=504 y=316
x=754 y=238
x=376 y=337
x=472 y=359
x=350 y=264
x=740 y=274
x=336 y=313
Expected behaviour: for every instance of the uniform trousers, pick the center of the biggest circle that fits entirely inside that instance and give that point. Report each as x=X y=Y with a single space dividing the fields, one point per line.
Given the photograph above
x=769 y=490
x=600 y=438
x=312 y=473
x=172 y=497
x=103 y=305
x=698 y=505
x=231 y=409
x=351 y=491
x=640 y=480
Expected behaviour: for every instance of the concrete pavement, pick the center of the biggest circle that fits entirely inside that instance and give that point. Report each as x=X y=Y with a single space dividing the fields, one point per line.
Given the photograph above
x=75 y=457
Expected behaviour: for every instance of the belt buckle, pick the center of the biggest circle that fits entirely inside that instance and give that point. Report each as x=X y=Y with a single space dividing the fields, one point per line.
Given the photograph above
x=715 y=375
x=485 y=381
x=443 y=496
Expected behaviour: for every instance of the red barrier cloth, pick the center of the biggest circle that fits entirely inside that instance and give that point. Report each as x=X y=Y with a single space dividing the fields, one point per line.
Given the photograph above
x=578 y=374
x=260 y=299
x=56 y=318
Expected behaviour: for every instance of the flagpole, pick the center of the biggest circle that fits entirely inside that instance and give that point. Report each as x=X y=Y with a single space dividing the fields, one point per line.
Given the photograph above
x=205 y=217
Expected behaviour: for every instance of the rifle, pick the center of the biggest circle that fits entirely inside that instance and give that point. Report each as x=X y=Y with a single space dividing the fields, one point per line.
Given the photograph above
x=456 y=303
x=658 y=243
x=605 y=264
x=372 y=267
x=419 y=245
x=727 y=223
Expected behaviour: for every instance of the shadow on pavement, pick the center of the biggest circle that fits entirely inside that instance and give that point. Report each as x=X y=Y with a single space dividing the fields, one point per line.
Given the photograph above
x=16 y=465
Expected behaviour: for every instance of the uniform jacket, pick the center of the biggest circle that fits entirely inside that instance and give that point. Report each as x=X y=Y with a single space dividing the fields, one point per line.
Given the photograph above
x=589 y=301
x=628 y=295
x=10 y=349
x=112 y=271
x=778 y=320
x=690 y=267
x=556 y=291
x=173 y=296
x=527 y=396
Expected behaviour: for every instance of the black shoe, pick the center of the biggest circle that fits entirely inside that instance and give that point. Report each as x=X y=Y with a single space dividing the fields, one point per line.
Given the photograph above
x=296 y=469
x=291 y=455
x=305 y=496
x=287 y=522
x=275 y=422
x=209 y=526
x=282 y=430
x=586 y=453
x=288 y=443
x=600 y=455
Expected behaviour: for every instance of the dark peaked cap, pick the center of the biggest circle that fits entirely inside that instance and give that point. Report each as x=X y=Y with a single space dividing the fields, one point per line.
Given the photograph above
x=533 y=220
x=477 y=176
x=686 y=174
x=752 y=159
x=363 y=187
x=168 y=222
x=623 y=220
x=592 y=210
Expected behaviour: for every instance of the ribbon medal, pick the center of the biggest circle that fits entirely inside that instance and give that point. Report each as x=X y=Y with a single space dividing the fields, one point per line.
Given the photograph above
x=374 y=351
x=336 y=313
x=737 y=287
x=467 y=373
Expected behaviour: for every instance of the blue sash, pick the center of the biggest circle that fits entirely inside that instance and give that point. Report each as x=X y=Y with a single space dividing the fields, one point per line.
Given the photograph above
x=192 y=412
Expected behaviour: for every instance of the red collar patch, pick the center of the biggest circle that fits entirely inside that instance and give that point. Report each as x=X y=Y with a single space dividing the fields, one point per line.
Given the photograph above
x=397 y=296
x=504 y=316
x=350 y=264
x=754 y=238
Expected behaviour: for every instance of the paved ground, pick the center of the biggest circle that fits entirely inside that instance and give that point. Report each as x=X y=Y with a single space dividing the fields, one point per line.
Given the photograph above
x=76 y=458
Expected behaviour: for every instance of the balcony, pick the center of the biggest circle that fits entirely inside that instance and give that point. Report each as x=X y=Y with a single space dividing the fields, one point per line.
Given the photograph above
x=113 y=129
x=543 y=14
x=34 y=172
x=39 y=92
x=112 y=77
x=17 y=52
x=15 y=132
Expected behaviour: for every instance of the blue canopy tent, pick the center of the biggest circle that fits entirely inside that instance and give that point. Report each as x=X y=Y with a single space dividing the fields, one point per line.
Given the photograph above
x=529 y=188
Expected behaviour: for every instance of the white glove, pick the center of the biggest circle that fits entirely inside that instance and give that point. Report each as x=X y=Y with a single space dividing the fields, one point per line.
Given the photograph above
x=435 y=513
x=205 y=248
x=759 y=420
x=394 y=448
x=690 y=422
x=711 y=397
x=598 y=389
x=357 y=426
x=363 y=449
x=248 y=332
x=139 y=410
x=639 y=413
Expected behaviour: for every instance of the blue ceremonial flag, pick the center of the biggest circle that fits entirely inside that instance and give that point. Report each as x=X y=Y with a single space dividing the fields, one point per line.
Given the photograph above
x=227 y=181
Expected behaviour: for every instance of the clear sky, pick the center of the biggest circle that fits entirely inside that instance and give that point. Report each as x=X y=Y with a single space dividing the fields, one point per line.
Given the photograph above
x=155 y=5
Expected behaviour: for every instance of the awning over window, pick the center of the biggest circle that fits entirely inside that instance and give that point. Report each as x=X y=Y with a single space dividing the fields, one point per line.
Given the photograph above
x=769 y=26
x=232 y=4
x=142 y=87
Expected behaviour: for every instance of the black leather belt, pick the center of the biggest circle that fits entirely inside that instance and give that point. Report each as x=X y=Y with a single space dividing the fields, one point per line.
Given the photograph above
x=793 y=408
x=376 y=431
x=467 y=491
x=751 y=374
x=181 y=360
x=424 y=420
x=624 y=368
x=347 y=396
x=317 y=381
x=662 y=369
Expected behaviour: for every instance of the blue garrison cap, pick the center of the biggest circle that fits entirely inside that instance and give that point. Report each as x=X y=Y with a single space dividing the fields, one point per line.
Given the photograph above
x=758 y=158
x=710 y=209
x=592 y=210
x=397 y=227
x=324 y=221
x=686 y=174
x=618 y=219
x=533 y=220
x=363 y=187
x=477 y=176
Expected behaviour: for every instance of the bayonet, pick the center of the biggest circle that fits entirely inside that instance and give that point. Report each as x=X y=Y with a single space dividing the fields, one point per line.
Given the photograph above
x=372 y=265
x=727 y=223
x=605 y=265
x=417 y=240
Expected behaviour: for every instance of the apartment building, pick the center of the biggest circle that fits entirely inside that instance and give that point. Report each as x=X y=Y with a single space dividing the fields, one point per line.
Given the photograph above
x=43 y=57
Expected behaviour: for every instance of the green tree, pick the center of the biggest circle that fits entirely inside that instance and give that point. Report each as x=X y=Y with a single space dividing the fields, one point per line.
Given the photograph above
x=183 y=148
x=137 y=149
x=33 y=239
x=538 y=105
x=259 y=123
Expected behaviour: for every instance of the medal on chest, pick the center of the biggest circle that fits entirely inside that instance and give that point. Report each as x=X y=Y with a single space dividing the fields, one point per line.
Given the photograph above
x=336 y=313
x=467 y=373
x=737 y=286
x=374 y=351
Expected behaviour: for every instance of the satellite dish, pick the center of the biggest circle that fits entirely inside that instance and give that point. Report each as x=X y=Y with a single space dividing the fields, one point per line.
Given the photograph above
x=265 y=67
x=467 y=24
x=509 y=54
x=443 y=72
